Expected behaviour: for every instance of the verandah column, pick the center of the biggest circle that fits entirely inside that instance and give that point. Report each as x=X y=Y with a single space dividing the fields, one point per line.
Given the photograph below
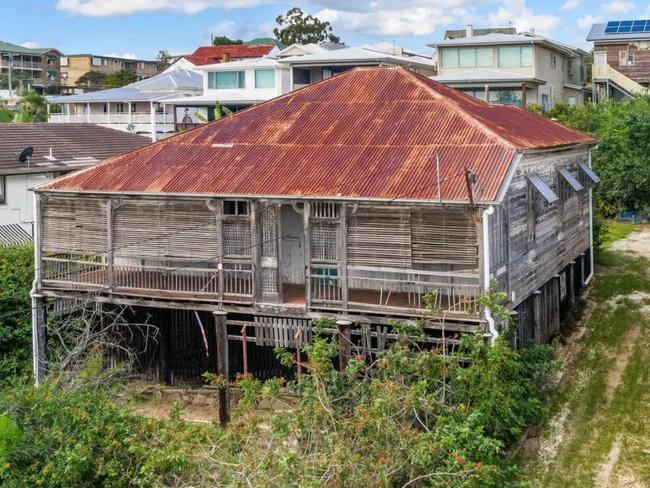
x=223 y=368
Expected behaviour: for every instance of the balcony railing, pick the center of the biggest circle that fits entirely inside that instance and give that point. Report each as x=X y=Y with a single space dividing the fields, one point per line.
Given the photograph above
x=368 y=288
x=112 y=118
x=604 y=72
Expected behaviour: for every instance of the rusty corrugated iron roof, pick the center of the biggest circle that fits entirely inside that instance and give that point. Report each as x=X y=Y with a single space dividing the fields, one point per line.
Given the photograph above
x=215 y=54
x=367 y=133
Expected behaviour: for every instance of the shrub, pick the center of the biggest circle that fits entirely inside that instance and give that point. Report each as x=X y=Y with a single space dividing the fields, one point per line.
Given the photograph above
x=16 y=275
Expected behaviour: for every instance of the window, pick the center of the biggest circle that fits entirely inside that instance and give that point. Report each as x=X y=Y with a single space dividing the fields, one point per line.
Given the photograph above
x=626 y=58
x=97 y=62
x=506 y=97
x=450 y=58
x=540 y=197
x=226 y=79
x=515 y=56
x=264 y=78
x=572 y=100
x=3 y=198
x=301 y=76
x=467 y=57
x=235 y=207
x=64 y=61
x=546 y=102
x=553 y=60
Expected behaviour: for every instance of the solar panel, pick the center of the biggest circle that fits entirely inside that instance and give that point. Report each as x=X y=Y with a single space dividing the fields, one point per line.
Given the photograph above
x=627 y=26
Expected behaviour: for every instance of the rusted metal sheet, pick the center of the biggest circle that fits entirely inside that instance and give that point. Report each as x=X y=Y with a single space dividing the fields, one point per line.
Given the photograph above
x=367 y=133
x=215 y=54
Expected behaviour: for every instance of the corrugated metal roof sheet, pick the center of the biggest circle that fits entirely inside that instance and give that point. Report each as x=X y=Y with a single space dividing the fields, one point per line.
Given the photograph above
x=214 y=54
x=368 y=133
x=544 y=190
x=14 y=235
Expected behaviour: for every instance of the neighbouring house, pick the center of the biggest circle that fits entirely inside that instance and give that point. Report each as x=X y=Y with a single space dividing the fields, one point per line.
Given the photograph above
x=515 y=69
x=458 y=33
x=621 y=58
x=315 y=62
x=31 y=68
x=361 y=199
x=139 y=107
x=205 y=55
x=56 y=149
x=74 y=66
x=234 y=85
x=237 y=84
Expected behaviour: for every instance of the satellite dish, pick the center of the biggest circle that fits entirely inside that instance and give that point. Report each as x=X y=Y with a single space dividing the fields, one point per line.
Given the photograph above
x=26 y=154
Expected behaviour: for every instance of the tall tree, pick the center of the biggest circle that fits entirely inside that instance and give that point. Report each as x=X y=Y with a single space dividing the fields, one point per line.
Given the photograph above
x=225 y=40
x=163 y=60
x=120 y=78
x=297 y=28
x=92 y=79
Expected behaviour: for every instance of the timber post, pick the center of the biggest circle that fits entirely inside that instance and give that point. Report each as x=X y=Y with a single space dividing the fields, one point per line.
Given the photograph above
x=343 y=256
x=110 y=258
x=307 y=253
x=570 y=285
x=39 y=309
x=343 y=327
x=222 y=365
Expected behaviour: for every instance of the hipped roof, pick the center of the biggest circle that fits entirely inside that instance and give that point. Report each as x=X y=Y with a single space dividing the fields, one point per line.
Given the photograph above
x=369 y=133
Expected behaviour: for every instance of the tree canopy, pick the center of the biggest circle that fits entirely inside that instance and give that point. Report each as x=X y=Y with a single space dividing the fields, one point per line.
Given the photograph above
x=33 y=108
x=92 y=79
x=164 y=59
x=297 y=28
x=225 y=41
x=120 y=78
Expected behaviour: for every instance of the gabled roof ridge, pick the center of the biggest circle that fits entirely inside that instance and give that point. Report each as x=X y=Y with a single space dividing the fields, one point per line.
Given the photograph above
x=424 y=82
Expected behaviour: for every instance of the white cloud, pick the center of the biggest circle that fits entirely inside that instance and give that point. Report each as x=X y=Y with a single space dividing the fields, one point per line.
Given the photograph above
x=587 y=21
x=413 y=21
x=30 y=44
x=570 y=5
x=107 y=8
x=125 y=55
x=524 y=18
x=223 y=28
x=618 y=7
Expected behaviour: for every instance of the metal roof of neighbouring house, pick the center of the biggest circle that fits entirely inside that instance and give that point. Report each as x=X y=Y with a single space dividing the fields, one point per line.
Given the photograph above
x=17 y=49
x=614 y=31
x=368 y=133
x=61 y=147
x=458 y=33
x=215 y=54
x=14 y=235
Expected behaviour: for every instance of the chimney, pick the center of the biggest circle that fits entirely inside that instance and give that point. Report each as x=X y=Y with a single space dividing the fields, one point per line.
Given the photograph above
x=225 y=58
x=469 y=30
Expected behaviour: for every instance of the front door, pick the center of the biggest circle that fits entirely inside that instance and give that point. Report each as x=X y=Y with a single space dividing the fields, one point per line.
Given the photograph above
x=293 y=253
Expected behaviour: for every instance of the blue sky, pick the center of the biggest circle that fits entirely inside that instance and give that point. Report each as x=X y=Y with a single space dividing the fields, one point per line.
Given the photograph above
x=141 y=27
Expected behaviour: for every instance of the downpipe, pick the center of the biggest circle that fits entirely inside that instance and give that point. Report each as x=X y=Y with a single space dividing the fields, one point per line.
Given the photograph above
x=591 y=231
x=494 y=333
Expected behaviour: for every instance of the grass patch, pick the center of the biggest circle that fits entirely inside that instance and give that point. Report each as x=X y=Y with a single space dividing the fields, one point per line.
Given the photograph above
x=595 y=423
x=614 y=231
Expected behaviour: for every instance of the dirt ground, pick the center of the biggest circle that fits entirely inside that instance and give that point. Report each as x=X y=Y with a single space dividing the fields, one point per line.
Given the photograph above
x=599 y=432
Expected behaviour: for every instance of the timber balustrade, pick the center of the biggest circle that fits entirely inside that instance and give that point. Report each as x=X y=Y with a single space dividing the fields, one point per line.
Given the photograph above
x=368 y=287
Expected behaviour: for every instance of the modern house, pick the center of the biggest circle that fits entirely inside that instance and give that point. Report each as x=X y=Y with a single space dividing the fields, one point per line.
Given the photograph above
x=35 y=68
x=74 y=66
x=516 y=69
x=621 y=58
x=310 y=63
x=234 y=85
x=458 y=33
x=56 y=149
x=361 y=198
x=237 y=84
x=140 y=107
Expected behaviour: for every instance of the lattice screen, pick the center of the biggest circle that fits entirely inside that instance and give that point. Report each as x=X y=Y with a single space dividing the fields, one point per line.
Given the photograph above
x=237 y=237
x=324 y=241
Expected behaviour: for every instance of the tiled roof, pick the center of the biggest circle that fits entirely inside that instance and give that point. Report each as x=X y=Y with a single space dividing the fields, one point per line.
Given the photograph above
x=73 y=146
x=214 y=54
x=368 y=133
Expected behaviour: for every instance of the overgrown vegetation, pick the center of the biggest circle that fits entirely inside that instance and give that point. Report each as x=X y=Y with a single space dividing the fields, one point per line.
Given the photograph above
x=622 y=159
x=16 y=275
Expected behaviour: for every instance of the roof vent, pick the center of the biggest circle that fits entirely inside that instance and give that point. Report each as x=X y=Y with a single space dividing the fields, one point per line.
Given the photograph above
x=469 y=30
x=50 y=157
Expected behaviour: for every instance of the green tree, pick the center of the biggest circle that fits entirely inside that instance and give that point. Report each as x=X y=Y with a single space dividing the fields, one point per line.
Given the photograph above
x=33 y=108
x=16 y=275
x=120 y=78
x=164 y=60
x=92 y=79
x=225 y=41
x=297 y=28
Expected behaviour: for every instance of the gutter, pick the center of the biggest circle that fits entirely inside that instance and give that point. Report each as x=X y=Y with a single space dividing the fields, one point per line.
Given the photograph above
x=494 y=333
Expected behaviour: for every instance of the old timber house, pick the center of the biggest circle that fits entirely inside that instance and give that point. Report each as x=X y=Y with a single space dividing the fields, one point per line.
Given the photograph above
x=351 y=198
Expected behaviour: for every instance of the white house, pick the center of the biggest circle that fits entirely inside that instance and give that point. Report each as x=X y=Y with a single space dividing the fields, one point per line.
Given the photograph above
x=140 y=107
x=48 y=150
x=234 y=85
